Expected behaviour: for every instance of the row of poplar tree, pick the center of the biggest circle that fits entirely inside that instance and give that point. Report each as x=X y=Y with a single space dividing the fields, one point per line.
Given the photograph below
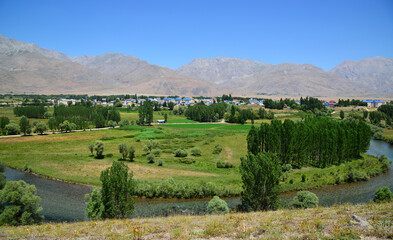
x=317 y=141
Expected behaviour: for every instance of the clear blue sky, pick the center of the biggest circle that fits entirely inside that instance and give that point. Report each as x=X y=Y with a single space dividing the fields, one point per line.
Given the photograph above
x=172 y=33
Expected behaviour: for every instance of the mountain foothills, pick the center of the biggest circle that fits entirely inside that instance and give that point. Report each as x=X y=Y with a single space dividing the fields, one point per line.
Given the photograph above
x=28 y=68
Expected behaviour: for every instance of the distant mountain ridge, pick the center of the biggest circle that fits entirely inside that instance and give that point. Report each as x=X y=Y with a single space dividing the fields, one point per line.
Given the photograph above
x=250 y=77
x=27 y=67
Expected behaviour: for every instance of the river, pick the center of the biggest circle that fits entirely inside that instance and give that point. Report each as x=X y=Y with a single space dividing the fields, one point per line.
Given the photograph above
x=65 y=202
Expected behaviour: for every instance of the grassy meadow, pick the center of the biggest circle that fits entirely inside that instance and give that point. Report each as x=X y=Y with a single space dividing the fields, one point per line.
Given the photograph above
x=317 y=223
x=66 y=156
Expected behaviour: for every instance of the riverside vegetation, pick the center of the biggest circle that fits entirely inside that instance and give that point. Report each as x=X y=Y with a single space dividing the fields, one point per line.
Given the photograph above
x=66 y=157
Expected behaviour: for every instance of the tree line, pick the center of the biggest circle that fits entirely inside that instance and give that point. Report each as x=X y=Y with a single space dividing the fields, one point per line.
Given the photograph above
x=30 y=111
x=317 y=141
x=203 y=113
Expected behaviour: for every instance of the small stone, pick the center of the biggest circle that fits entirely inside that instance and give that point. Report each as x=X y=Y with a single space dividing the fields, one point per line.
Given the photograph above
x=358 y=221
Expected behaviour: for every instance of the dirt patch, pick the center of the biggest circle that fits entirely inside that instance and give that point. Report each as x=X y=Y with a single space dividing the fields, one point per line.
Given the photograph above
x=229 y=152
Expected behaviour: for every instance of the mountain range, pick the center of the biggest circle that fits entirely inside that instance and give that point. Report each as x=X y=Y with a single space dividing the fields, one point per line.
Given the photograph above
x=28 y=68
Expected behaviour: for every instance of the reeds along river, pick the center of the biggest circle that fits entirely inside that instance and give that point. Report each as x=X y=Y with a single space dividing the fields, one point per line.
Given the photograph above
x=65 y=202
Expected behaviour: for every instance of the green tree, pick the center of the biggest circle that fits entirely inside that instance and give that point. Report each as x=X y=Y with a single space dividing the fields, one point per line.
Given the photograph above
x=365 y=115
x=146 y=113
x=94 y=205
x=41 y=127
x=342 y=114
x=171 y=105
x=260 y=175
x=166 y=117
x=99 y=120
x=24 y=124
x=123 y=149
x=111 y=124
x=131 y=153
x=91 y=148
x=12 y=128
x=3 y=122
x=52 y=124
x=217 y=206
x=20 y=204
x=117 y=191
x=99 y=148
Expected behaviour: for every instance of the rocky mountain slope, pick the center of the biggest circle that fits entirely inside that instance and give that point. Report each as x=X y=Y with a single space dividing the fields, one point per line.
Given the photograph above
x=247 y=77
x=26 y=67
x=372 y=73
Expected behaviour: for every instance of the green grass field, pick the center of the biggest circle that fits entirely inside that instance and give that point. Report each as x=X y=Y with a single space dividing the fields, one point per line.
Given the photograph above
x=66 y=156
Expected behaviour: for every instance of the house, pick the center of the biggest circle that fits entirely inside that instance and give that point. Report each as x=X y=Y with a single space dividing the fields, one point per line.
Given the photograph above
x=374 y=103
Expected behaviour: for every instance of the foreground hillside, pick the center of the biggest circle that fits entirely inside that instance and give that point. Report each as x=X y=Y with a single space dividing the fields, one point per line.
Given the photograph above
x=376 y=222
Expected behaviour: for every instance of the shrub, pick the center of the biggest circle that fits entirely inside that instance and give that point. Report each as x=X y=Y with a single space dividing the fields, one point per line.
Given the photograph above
x=221 y=164
x=186 y=160
x=26 y=168
x=160 y=163
x=109 y=155
x=383 y=195
x=305 y=199
x=385 y=163
x=217 y=206
x=156 y=152
x=124 y=122
x=181 y=153
x=196 y=152
x=290 y=181
x=378 y=135
x=286 y=167
x=21 y=205
x=150 y=157
x=354 y=175
x=217 y=149
x=99 y=148
x=303 y=178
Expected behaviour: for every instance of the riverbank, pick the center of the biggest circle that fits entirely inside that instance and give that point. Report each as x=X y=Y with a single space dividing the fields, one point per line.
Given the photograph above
x=334 y=222
x=65 y=157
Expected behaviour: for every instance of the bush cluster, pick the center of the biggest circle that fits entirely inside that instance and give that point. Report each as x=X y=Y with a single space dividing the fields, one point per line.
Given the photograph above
x=305 y=199
x=383 y=195
x=221 y=164
x=171 y=189
x=181 y=153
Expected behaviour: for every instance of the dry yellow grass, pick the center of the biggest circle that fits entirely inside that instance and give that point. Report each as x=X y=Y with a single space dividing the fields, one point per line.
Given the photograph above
x=317 y=223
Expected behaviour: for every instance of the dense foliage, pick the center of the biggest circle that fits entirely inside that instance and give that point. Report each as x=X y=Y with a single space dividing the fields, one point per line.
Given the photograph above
x=310 y=103
x=305 y=199
x=383 y=195
x=145 y=113
x=30 y=111
x=19 y=204
x=269 y=103
x=260 y=175
x=217 y=206
x=115 y=199
x=318 y=141
x=203 y=113
x=353 y=102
